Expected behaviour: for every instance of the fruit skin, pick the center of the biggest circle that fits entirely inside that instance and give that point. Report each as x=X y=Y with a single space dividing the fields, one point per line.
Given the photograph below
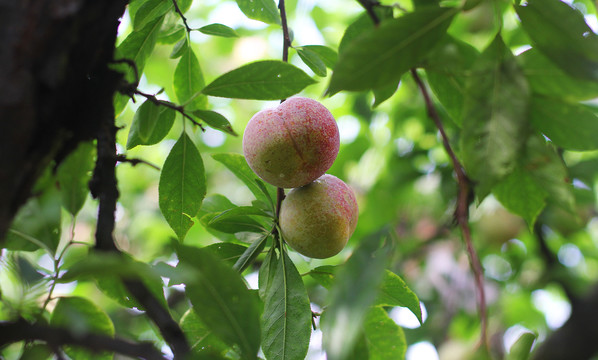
x=318 y=219
x=293 y=144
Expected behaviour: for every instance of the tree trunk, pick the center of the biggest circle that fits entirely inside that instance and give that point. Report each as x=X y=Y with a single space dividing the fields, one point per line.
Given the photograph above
x=55 y=86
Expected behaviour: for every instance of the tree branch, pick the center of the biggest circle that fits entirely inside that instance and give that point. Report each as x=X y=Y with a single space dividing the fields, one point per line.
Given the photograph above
x=178 y=11
x=104 y=187
x=462 y=209
x=21 y=330
x=178 y=108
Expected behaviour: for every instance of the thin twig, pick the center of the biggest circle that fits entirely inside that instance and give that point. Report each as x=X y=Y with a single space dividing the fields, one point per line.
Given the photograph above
x=369 y=5
x=178 y=108
x=462 y=208
x=135 y=161
x=286 y=38
x=178 y=11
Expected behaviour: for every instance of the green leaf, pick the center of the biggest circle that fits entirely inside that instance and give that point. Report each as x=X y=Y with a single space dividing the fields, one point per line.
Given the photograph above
x=569 y=126
x=326 y=54
x=156 y=122
x=179 y=48
x=379 y=57
x=384 y=93
x=385 y=339
x=262 y=10
x=231 y=224
x=74 y=174
x=137 y=47
x=521 y=195
x=394 y=292
x=547 y=79
x=218 y=30
x=149 y=11
x=521 y=349
x=355 y=290
x=81 y=316
x=447 y=69
x=222 y=301
x=227 y=252
x=560 y=33
x=204 y=344
x=108 y=270
x=172 y=34
x=260 y=80
x=286 y=322
x=324 y=275
x=215 y=121
x=182 y=185
x=362 y=25
x=312 y=60
x=237 y=164
x=548 y=170
x=37 y=224
x=188 y=82
x=36 y=352
x=494 y=118
x=252 y=252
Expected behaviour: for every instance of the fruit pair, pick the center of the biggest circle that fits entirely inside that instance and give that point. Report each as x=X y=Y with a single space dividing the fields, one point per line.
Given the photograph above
x=292 y=146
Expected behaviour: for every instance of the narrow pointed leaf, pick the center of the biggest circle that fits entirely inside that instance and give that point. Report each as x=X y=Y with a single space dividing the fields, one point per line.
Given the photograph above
x=252 y=252
x=73 y=176
x=494 y=117
x=326 y=54
x=215 y=121
x=182 y=185
x=313 y=61
x=286 y=322
x=188 y=82
x=521 y=349
x=149 y=11
x=222 y=301
x=261 y=80
x=262 y=10
x=218 y=30
x=380 y=56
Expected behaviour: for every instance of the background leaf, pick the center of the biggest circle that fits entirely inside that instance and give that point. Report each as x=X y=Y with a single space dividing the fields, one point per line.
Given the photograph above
x=218 y=30
x=82 y=316
x=494 y=118
x=560 y=33
x=260 y=80
x=182 y=185
x=384 y=338
x=73 y=176
x=380 y=56
x=355 y=290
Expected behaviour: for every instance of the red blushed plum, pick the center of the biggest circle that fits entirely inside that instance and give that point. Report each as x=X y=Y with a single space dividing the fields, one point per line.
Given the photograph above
x=318 y=219
x=293 y=144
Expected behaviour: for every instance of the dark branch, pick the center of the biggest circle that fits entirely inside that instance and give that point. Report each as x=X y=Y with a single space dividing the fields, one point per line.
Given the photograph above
x=462 y=209
x=369 y=6
x=135 y=162
x=178 y=11
x=21 y=330
x=286 y=38
x=168 y=104
x=104 y=187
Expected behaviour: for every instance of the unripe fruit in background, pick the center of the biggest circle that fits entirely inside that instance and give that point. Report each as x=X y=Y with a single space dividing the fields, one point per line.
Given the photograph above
x=318 y=219
x=293 y=144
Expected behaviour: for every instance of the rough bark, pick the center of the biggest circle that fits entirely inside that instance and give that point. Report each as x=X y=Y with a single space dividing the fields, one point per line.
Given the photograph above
x=55 y=86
